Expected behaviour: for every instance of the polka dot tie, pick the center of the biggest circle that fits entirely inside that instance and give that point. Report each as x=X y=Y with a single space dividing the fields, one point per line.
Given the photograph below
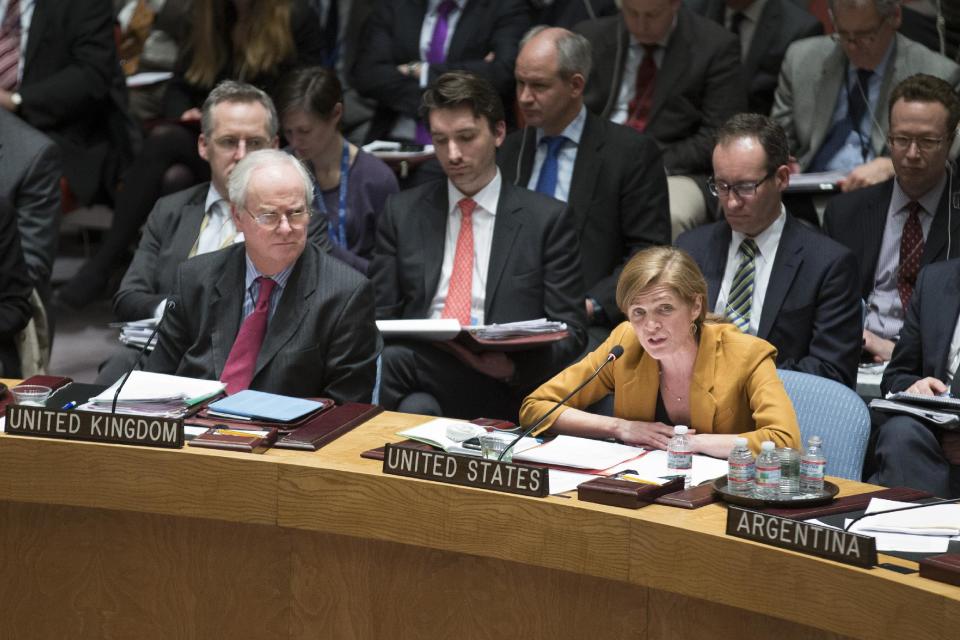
x=459 y=293
x=911 y=248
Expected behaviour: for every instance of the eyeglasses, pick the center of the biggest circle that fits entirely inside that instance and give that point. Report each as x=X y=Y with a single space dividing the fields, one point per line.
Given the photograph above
x=858 y=38
x=231 y=143
x=297 y=219
x=925 y=145
x=742 y=189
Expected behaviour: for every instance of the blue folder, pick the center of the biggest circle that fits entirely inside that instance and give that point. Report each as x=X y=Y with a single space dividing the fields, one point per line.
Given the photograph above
x=257 y=405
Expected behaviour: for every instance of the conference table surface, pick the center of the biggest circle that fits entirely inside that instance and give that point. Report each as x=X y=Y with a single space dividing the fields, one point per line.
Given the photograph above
x=111 y=541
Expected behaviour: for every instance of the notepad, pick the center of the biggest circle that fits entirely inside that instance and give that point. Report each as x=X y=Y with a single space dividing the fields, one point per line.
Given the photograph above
x=258 y=405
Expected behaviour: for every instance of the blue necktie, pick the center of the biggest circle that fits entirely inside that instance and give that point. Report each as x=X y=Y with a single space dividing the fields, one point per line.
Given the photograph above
x=547 y=182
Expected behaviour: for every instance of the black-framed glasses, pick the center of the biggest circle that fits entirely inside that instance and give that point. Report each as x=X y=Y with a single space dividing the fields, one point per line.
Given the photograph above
x=858 y=38
x=924 y=144
x=231 y=143
x=297 y=219
x=721 y=189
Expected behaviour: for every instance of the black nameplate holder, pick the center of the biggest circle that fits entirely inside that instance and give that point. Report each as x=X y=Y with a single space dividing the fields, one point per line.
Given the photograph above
x=804 y=537
x=466 y=471
x=90 y=426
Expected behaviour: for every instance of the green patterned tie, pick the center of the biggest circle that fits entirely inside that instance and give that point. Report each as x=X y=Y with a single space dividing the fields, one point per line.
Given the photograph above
x=741 y=290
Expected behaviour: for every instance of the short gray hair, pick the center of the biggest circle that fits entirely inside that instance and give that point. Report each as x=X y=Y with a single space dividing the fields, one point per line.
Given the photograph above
x=885 y=8
x=233 y=91
x=573 y=51
x=239 y=178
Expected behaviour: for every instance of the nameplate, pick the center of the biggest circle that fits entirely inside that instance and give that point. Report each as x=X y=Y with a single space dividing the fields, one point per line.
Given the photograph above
x=466 y=471
x=817 y=540
x=147 y=431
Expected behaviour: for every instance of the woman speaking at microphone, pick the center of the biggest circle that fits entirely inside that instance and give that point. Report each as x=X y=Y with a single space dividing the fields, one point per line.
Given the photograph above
x=678 y=367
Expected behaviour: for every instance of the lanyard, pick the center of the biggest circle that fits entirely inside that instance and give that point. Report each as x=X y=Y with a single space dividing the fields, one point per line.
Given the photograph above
x=340 y=235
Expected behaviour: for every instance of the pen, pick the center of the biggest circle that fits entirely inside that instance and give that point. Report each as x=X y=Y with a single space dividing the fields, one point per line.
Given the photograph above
x=70 y=405
x=637 y=479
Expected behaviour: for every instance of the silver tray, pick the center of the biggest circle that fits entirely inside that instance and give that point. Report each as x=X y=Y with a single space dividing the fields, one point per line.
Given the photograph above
x=830 y=492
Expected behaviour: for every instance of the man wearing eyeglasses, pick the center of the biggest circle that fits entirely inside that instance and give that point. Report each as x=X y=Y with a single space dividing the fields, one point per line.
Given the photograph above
x=273 y=313
x=768 y=273
x=903 y=224
x=834 y=90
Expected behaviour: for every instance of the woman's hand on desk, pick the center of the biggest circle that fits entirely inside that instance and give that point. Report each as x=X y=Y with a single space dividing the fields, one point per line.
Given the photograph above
x=653 y=435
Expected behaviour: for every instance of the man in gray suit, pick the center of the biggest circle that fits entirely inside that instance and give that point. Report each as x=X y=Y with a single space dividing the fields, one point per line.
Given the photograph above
x=274 y=313
x=851 y=73
x=30 y=172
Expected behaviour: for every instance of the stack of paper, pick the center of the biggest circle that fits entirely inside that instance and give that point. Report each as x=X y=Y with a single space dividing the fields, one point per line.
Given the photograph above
x=155 y=394
x=928 y=530
x=517 y=329
x=137 y=332
x=437 y=433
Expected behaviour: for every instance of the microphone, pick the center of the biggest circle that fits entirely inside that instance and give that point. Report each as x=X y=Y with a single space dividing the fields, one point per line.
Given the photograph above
x=615 y=353
x=171 y=304
x=913 y=506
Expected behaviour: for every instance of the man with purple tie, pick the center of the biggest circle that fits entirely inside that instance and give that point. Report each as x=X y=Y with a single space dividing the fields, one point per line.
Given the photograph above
x=273 y=313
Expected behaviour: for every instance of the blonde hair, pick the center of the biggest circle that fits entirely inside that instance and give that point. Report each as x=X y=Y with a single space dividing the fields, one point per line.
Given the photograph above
x=666 y=266
x=259 y=42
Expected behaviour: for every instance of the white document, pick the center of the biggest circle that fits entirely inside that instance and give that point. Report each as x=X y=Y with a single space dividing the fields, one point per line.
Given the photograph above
x=652 y=466
x=435 y=433
x=934 y=520
x=579 y=453
x=902 y=542
x=144 y=386
x=146 y=78
x=427 y=329
x=563 y=481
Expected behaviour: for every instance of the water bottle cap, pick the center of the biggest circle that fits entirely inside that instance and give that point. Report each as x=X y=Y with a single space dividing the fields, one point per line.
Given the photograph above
x=767 y=445
x=814 y=440
x=680 y=430
x=741 y=441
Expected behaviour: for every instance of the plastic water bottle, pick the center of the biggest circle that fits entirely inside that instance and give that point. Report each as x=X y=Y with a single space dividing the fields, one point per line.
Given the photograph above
x=812 y=465
x=789 y=471
x=741 y=469
x=768 y=471
x=680 y=455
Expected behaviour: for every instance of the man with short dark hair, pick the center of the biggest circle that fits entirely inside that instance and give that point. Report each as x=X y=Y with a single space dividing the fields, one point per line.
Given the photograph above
x=766 y=272
x=611 y=176
x=273 y=313
x=475 y=248
x=900 y=225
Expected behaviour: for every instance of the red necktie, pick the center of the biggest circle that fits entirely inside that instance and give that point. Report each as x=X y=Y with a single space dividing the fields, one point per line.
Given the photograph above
x=459 y=293
x=10 y=47
x=911 y=248
x=639 y=108
x=238 y=370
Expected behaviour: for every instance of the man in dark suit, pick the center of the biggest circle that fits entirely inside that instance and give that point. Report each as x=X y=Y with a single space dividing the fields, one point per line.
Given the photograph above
x=274 y=313
x=68 y=84
x=15 y=287
x=569 y=13
x=765 y=29
x=611 y=176
x=475 y=248
x=896 y=227
x=667 y=72
x=409 y=43
x=768 y=273
x=908 y=453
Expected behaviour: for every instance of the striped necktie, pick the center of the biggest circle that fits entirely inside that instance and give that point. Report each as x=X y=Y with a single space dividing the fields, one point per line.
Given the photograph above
x=10 y=47
x=741 y=290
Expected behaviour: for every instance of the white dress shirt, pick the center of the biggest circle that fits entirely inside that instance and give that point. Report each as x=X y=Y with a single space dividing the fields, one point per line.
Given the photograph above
x=484 y=216
x=565 y=159
x=768 y=241
x=628 y=83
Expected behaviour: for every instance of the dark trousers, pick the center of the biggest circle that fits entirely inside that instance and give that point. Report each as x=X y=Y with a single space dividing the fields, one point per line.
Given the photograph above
x=907 y=453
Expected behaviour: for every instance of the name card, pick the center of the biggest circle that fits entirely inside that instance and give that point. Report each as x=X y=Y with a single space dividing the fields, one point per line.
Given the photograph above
x=826 y=542
x=147 y=431
x=466 y=471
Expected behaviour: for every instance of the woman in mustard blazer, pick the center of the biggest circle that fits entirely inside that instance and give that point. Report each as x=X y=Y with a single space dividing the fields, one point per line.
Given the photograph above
x=677 y=367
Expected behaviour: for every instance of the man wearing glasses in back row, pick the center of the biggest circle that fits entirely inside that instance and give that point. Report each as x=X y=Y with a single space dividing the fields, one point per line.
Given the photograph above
x=771 y=275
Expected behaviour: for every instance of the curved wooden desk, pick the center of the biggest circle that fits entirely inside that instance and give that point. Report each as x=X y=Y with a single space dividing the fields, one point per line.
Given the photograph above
x=105 y=541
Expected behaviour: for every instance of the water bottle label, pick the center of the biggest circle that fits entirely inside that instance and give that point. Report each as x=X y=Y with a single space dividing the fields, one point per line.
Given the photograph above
x=681 y=460
x=768 y=477
x=812 y=469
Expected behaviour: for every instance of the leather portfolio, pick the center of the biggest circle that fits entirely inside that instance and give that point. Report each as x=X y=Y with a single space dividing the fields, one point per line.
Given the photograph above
x=250 y=440
x=516 y=343
x=692 y=498
x=942 y=568
x=624 y=493
x=327 y=426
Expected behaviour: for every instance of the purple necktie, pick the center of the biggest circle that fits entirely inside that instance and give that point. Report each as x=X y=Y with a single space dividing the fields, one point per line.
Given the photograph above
x=238 y=370
x=436 y=55
x=10 y=47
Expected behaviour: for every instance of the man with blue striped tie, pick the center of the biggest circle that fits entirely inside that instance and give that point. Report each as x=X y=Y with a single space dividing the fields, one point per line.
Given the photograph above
x=768 y=273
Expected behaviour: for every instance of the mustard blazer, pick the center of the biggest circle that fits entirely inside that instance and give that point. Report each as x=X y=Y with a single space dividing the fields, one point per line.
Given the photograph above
x=735 y=387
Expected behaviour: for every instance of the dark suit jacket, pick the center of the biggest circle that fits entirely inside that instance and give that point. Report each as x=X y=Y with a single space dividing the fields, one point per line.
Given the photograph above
x=534 y=267
x=618 y=195
x=15 y=287
x=321 y=341
x=811 y=312
x=73 y=90
x=924 y=344
x=30 y=172
x=569 y=13
x=392 y=37
x=856 y=220
x=170 y=233
x=698 y=87
x=780 y=23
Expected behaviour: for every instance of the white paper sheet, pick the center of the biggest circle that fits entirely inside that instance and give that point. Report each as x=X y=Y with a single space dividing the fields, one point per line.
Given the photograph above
x=579 y=453
x=934 y=520
x=563 y=481
x=653 y=466
x=426 y=329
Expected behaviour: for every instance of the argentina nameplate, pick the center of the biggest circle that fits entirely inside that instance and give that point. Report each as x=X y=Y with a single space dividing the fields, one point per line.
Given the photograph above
x=147 y=431
x=466 y=471
x=805 y=537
